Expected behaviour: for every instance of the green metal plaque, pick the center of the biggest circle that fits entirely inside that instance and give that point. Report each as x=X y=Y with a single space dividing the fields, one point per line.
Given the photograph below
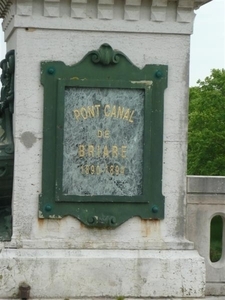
x=102 y=139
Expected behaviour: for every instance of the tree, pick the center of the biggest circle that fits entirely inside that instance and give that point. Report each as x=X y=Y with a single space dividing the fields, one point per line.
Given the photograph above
x=206 y=133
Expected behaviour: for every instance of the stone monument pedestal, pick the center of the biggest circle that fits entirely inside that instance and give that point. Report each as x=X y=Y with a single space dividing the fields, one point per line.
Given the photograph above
x=62 y=258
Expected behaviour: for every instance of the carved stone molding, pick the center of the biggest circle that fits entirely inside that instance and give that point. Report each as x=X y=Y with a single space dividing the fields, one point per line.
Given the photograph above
x=51 y=8
x=110 y=15
x=78 y=9
x=105 y=9
x=24 y=8
x=132 y=10
x=185 y=11
x=102 y=9
x=198 y=3
x=158 y=11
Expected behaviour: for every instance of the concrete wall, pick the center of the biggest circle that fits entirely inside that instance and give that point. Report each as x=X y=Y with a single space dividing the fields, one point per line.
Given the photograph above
x=205 y=200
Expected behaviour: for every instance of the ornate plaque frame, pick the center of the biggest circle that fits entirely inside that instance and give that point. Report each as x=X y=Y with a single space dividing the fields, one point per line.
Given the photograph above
x=103 y=69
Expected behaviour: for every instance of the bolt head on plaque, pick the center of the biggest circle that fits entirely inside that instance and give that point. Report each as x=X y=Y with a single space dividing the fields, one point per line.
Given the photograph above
x=48 y=208
x=158 y=74
x=51 y=71
x=155 y=209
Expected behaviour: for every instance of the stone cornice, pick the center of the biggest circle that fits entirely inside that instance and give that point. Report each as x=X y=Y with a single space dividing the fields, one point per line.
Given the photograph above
x=199 y=3
x=104 y=8
x=132 y=7
x=156 y=16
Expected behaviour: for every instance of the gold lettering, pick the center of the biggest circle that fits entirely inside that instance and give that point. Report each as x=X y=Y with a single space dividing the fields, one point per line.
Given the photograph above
x=102 y=151
x=91 y=111
x=122 y=169
x=92 y=169
x=99 y=133
x=107 y=134
x=87 y=169
x=123 y=151
x=83 y=113
x=113 y=113
x=97 y=109
x=131 y=115
x=98 y=151
x=120 y=112
x=81 y=151
x=117 y=170
x=103 y=134
x=105 y=152
x=97 y=170
x=114 y=170
x=126 y=115
x=107 y=114
x=111 y=169
x=91 y=150
x=76 y=114
x=114 y=151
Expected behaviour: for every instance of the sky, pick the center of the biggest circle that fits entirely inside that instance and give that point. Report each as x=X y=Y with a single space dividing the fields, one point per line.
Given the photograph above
x=207 y=41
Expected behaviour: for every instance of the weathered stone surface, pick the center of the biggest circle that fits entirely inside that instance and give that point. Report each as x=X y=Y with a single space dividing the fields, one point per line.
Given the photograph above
x=206 y=185
x=56 y=274
x=103 y=137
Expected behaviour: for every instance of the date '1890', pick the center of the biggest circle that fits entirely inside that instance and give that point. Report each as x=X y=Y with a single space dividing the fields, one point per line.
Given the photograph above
x=98 y=170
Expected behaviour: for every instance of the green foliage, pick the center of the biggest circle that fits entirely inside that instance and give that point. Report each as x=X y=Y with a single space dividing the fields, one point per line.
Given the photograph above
x=215 y=251
x=120 y=298
x=216 y=238
x=206 y=133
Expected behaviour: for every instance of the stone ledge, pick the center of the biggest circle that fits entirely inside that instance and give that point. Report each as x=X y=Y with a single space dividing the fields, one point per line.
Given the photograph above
x=216 y=289
x=205 y=184
x=102 y=273
x=128 y=298
x=41 y=22
x=138 y=244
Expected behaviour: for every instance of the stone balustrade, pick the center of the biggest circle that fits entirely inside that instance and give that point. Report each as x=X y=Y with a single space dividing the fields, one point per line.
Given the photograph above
x=205 y=200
